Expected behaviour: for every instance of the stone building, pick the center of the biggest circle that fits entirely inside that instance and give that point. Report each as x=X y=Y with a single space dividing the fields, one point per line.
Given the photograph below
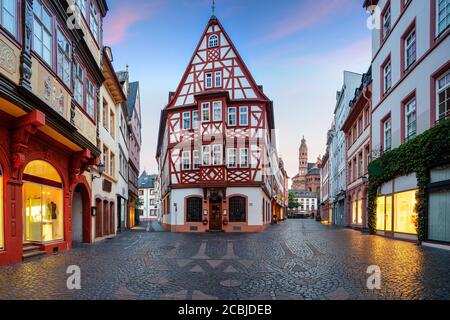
x=308 y=177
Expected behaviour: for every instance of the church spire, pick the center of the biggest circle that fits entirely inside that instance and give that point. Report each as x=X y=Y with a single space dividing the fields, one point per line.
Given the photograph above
x=213 y=8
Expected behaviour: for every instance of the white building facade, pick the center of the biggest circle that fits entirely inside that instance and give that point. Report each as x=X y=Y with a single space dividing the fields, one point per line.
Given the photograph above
x=149 y=197
x=337 y=174
x=411 y=93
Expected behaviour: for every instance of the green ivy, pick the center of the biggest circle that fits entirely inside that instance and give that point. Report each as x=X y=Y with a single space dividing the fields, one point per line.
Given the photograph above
x=416 y=155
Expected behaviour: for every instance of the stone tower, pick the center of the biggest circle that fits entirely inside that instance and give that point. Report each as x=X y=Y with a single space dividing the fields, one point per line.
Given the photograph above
x=303 y=158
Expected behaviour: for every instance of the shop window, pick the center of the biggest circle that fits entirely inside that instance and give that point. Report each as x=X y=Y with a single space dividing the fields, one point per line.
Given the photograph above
x=43 y=203
x=405 y=216
x=384 y=213
x=238 y=209
x=194 y=209
x=1 y=210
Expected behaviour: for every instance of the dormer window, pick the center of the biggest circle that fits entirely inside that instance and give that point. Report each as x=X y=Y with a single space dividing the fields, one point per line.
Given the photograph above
x=213 y=41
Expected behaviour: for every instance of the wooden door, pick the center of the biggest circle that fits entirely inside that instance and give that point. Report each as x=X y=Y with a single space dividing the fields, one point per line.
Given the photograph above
x=215 y=216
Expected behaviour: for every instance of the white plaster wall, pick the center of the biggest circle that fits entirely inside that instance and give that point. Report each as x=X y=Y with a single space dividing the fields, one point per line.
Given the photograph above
x=255 y=210
x=178 y=197
x=419 y=79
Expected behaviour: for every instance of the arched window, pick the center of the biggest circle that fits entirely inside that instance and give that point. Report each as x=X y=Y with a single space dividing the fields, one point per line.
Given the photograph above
x=194 y=209
x=1 y=210
x=43 y=203
x=238 y=209
x=213 y=41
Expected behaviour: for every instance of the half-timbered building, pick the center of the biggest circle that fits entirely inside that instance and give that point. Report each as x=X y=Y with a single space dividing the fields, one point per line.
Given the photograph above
x=50 y=75
x=217 y=155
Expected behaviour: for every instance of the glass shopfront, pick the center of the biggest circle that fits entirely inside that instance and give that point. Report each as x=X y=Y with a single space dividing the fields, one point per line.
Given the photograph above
x=397 y=213
x=43 y=203
x=1 y=211
x=357 y=208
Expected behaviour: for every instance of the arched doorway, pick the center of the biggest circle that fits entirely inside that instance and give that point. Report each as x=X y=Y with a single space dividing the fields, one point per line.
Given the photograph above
x=43 y=203
x=81 y=214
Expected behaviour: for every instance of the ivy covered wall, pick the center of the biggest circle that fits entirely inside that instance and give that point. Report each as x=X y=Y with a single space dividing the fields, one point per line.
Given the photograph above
x=415 y=156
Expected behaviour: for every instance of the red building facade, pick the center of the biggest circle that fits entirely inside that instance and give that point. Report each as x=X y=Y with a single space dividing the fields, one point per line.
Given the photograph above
x=47 y=128
x=216 y=150
x=357 y=129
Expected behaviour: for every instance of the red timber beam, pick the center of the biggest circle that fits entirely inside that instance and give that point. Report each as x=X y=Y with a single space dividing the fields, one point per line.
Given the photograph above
x=80 y=163
x=23 y=128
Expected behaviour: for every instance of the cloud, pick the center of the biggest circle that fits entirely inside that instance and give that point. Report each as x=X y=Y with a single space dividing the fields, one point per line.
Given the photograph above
x=307 y=14
x=124 y=15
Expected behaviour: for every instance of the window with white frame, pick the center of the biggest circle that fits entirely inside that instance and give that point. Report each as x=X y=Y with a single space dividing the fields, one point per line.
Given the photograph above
x=213 y=41
x=186 y=120
x=217 y=155
x=208 y=80
x=217 y=111
x=186 y=160
x=206 y=112
x=218 y=79
x=94 y=23
x=410 y=49
x=42 y=30
x=243 y=116
x=196 y=159
x=8 y=17
x=206 y=155
x=243 y=153
x=78 y=83
x=387 y=127
x=386 y=22
x=63 y=59
x=231 y=157
x=443 y=97
x=443 y=15
x=90 y=99
x=194 y=119
x=410 y=120
x=387 y=74
x=232 y=114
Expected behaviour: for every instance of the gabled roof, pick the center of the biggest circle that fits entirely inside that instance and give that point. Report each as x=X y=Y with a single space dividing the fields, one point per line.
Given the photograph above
x=201 y=56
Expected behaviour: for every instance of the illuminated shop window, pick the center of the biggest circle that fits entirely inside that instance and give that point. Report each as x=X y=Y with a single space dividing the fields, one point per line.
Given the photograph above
x=405 y=219
x=401 y=207
x=1 y=210
x=43 y=203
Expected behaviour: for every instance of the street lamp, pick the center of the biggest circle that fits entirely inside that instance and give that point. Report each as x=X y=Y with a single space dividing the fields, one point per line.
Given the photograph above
x=101 y=170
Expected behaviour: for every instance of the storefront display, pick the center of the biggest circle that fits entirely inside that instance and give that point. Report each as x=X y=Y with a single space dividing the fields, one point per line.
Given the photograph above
x=1 y=211
x=397 y=213
x=43 y=203
x=357 y=208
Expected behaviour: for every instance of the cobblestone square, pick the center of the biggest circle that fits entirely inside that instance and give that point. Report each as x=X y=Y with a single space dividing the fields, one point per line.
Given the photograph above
x=296 y=260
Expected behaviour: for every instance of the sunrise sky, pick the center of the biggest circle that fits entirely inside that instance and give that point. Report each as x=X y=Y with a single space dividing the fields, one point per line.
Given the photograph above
x=296 y=49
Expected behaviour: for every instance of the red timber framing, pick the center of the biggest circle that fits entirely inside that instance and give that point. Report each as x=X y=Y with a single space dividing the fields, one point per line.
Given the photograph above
x=21 y=142
x=216 y=134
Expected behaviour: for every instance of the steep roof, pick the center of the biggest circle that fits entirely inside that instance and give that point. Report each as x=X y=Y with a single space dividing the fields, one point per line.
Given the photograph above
x=147 y=181
x=132 y=95
x=237 y=79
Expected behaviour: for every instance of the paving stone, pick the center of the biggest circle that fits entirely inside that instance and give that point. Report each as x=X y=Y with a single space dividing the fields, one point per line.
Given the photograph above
x=299 y=259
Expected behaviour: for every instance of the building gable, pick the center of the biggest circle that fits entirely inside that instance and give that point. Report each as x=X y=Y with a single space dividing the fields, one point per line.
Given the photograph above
x=224 y=58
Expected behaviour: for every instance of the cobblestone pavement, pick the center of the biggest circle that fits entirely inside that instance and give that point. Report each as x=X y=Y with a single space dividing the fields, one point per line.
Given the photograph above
x=295 y=260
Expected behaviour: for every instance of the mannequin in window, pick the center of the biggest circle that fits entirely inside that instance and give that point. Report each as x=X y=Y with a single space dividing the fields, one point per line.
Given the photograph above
x=53 y=209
